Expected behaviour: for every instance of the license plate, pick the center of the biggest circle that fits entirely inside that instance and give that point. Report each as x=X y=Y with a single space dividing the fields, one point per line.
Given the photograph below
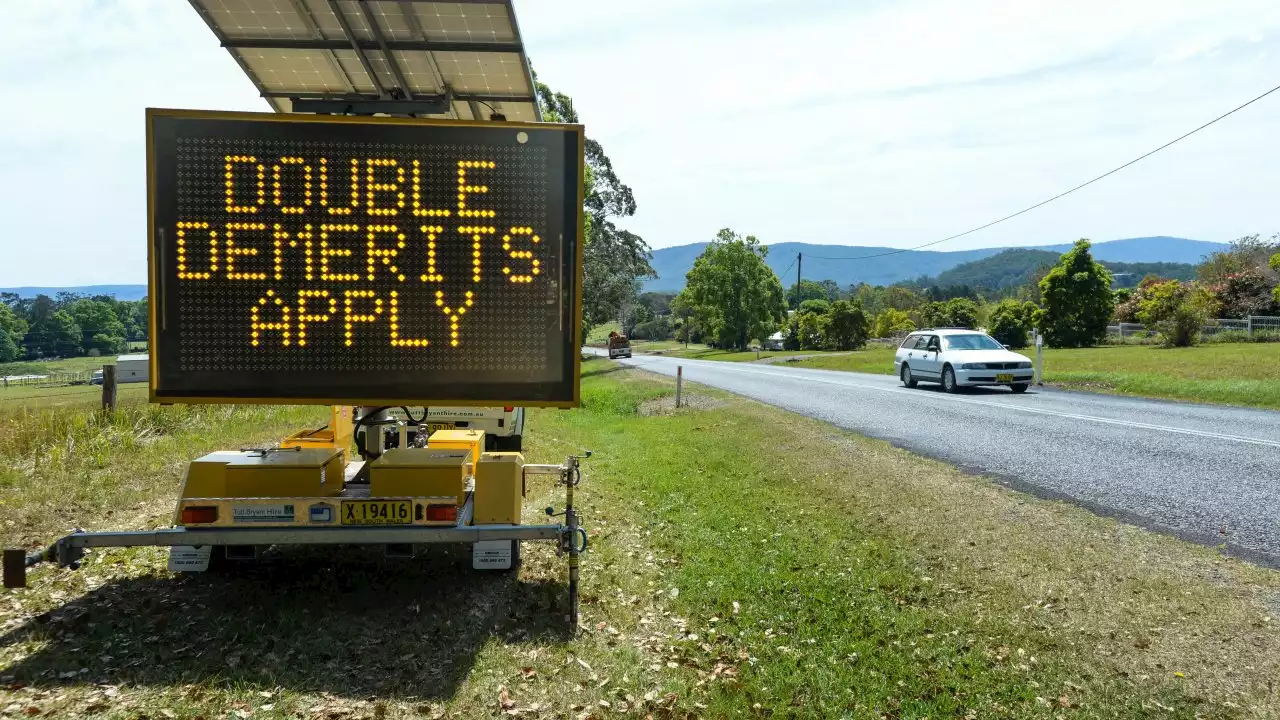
x=1004 y=377
x=377 y=512
x=432 y=427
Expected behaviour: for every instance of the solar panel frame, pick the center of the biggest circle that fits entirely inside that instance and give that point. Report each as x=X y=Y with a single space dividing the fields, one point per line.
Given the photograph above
x=457 y=55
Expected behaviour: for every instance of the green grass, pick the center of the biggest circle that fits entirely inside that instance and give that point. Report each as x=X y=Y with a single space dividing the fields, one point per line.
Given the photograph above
x=744 y=562
x=697 y=351
x=1230 y=373
x=837 y=576
x=67 y=396
x=41 y=367
x=600 y=333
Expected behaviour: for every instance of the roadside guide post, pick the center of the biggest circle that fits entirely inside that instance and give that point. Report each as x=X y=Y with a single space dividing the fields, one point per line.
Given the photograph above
x=679 y=382
x=1039 y=359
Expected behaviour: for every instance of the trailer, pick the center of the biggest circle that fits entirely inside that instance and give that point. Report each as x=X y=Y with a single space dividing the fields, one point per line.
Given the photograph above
x=377 y=243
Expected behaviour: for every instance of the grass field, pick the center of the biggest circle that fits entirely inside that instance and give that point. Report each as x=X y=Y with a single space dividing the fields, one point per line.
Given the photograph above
x=40 y=367
x=599 y=334
x=698 y=351
x=1236 y=373
x=818 y=575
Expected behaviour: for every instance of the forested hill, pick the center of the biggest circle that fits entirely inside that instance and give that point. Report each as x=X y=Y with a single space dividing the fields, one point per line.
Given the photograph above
x=672 y=263
x=1016 y=266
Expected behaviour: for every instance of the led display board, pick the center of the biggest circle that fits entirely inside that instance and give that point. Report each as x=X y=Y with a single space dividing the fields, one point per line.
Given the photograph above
x=374 y=261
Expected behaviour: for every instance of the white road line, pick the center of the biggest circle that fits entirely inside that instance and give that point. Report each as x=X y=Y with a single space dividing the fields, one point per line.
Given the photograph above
x=777 y=372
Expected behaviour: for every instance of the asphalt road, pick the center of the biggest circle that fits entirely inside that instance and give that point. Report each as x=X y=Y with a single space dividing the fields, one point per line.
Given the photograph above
x=1208 y=474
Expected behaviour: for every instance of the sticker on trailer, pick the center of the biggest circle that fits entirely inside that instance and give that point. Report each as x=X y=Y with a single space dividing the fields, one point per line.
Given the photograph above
x=491 y=555
x=185 y=558
x=261 y=513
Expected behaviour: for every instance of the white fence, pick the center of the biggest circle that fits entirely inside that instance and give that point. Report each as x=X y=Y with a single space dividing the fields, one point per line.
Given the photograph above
x=1247 y=325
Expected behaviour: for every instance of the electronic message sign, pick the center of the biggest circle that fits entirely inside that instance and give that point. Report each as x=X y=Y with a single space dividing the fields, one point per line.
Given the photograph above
x=376 y=261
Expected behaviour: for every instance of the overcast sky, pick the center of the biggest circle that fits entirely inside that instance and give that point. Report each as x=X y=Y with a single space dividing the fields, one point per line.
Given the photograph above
x=887 y=123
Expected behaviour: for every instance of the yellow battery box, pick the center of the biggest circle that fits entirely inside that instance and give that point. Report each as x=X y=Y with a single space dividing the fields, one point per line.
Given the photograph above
x=206 y=477
x=421 y=472
x=499 y=493
x=458 y=439
x=304 y=472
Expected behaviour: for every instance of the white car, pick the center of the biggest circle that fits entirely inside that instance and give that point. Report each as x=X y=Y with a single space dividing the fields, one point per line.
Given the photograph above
x=957 y=358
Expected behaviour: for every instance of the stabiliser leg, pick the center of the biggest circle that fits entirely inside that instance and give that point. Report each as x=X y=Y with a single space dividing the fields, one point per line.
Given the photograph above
x=575 y=537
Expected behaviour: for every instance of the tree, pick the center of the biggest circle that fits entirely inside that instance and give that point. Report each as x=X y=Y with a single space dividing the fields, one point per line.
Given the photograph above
x=58 y=335
x=12 y=327
x=957 y=312
x=1248 y=292
x=100 y=326
x=809 y=290
x=1011 y=321
x=8 y=348
x=1077 y=300
x=1275 y=265
x=1176 y=310
x=1248 y=252
x=140 y=320
x=891 y=323
x=614 y=260
x=832 y=288
x=736 y=296
x=845 y=326
x=809 y=330
x=815 y=306
x=686 y=323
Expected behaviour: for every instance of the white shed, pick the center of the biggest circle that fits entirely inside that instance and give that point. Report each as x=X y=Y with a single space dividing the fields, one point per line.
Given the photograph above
x=133 y=368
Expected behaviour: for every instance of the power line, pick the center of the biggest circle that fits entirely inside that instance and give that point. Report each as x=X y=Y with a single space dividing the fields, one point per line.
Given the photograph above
x=1061 y=194
x=793 y=264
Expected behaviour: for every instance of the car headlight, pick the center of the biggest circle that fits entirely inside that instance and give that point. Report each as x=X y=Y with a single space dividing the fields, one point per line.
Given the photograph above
x=1024 y=365
x=973 y=366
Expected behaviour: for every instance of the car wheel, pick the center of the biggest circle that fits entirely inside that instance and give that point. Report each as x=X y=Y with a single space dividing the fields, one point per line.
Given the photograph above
x=1019 y=388
x=949 y=380
x=907 y=380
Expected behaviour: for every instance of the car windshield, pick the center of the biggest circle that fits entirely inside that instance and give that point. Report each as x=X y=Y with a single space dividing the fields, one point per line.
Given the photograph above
x=970 y=342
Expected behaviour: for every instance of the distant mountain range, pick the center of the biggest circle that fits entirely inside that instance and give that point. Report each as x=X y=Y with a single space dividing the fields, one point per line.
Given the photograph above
x=673 y=263
x=121 y=292
x=1015 y=266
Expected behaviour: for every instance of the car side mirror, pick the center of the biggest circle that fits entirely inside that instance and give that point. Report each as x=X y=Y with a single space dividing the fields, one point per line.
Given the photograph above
x=1006 y=347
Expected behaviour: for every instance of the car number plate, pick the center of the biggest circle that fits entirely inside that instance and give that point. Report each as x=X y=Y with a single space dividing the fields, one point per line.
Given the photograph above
x=432 y=427
x=377 y=512
x=1004 y=377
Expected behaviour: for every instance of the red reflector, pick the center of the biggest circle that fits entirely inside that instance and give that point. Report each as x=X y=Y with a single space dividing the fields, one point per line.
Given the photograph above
x=507 y=409
x=199 y=514
x=442 y=513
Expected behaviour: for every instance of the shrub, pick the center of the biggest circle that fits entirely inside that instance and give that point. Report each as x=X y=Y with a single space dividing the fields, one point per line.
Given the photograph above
x=845 y=326
x=892 y=322
x=1241 y=336
x=1011 y=322
x=1177 y=311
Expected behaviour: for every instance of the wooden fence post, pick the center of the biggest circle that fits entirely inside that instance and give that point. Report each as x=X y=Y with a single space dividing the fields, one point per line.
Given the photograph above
x=109 y=388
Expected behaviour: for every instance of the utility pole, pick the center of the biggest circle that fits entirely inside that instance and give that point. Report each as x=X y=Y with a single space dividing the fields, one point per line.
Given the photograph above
x=799 y=263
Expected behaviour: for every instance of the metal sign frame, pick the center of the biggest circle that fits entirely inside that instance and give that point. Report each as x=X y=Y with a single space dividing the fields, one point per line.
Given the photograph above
x=154 y=288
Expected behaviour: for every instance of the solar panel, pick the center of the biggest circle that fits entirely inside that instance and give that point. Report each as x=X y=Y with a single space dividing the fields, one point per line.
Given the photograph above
x=461 y=60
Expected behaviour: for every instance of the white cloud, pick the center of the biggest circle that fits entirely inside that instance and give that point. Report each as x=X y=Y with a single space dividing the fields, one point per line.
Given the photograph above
x=887 y=122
